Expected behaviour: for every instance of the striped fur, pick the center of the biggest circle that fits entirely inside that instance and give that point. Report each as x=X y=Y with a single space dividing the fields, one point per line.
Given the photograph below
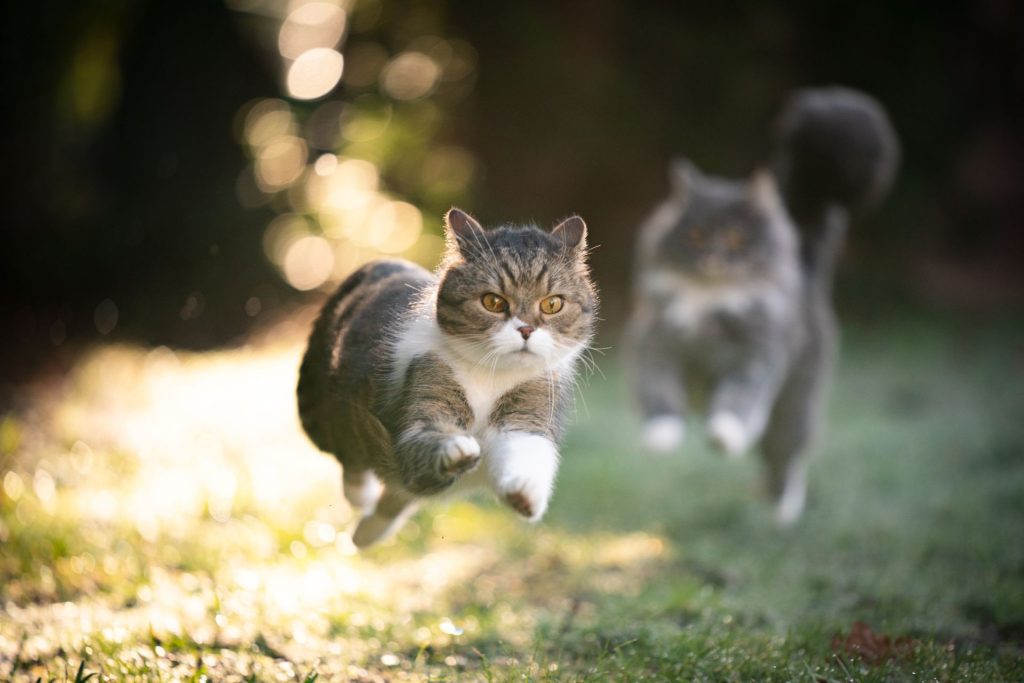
x=411 y=382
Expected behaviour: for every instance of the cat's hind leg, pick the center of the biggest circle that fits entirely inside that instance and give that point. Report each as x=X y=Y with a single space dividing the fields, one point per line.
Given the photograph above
x=793 y=426
x=797 y=416
x=785 y=451
x=394 y=507
x=521 y=468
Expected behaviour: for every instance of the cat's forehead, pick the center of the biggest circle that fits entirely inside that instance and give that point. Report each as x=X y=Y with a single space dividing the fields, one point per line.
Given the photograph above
x=519 y=254
x=719 y=207
x=521 y=261
x=526 y=240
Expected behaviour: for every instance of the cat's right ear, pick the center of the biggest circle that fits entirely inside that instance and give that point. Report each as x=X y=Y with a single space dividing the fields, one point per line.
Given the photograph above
x=682 y=176
x=463 y=231
x=573 y=234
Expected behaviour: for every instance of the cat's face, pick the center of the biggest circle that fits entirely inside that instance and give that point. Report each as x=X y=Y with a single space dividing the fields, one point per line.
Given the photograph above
x=516 y=297
x=726 y=232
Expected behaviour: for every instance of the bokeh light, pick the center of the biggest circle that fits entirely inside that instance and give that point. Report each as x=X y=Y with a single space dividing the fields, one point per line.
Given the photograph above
x=315 y=73
x=409 y=76
x=267 y=120
x=393 y=227
x=326 y=164
x=311 y=25
x=367 y=120
x=281 y=233
x=308 y=262
x=359 y=177
x=281 y=162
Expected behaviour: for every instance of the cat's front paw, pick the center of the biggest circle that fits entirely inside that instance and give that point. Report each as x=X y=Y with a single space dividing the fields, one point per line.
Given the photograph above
x=459 y=454
x=664 y=433
x=522 y=470
x=728 y=434
x=528 y=498
x=520 y=502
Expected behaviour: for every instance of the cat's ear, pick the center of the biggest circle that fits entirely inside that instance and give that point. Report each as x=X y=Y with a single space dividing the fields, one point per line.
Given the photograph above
x=463 y=230
x=763 y=192
x=573 y=233
x=682 y=176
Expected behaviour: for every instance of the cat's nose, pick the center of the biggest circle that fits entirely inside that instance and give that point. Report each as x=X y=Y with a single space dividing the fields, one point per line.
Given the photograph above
x=526 y=331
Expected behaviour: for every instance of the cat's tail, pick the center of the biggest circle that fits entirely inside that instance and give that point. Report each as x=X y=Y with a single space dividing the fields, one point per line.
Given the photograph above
x=834 y=155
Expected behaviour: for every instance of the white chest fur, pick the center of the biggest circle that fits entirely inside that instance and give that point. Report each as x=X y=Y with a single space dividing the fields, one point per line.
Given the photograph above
x=520 y=468
x=687 y=303
x=483 y=389
x=482 y=385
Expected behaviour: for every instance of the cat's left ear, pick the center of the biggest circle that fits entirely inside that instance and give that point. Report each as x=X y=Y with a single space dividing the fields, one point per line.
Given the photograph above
x=573 y=234
x=764 y=192
x=463 y=230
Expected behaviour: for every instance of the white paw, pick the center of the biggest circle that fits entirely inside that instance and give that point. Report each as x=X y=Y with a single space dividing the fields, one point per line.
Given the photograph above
x=522 y=468
x=728 y=434
x=664 y=434
x=459 y=454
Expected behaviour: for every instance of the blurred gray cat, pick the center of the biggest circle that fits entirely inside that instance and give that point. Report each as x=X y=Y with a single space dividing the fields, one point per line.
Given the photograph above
x=733 y=309
x=422 y=384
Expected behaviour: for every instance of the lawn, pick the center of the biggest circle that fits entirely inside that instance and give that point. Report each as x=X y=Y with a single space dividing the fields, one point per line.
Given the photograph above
x=162 y=518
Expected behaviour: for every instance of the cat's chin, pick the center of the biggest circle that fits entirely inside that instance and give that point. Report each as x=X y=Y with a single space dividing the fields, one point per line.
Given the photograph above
x=523 y=359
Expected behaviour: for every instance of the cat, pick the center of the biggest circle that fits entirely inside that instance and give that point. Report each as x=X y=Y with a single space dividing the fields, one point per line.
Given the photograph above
x=422 y=384
x=733 y=313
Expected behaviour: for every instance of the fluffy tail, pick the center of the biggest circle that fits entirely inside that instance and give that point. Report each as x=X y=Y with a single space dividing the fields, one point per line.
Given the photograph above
x=834 y=155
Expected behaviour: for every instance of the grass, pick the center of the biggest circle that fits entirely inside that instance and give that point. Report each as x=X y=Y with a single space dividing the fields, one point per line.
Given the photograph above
x=161 y=518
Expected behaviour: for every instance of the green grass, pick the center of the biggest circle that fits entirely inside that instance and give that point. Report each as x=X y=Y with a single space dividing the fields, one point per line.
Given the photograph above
x=655 y=569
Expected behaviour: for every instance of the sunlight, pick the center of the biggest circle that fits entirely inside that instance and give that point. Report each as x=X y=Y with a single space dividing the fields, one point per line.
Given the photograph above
x=266 y=121
x=326 y=164
x=315 y=73
x=410 y=76
x=363 y=170
x=308 y=263
x=197 y=516
x=394 y=227
x=280 y=162
x=311 y=25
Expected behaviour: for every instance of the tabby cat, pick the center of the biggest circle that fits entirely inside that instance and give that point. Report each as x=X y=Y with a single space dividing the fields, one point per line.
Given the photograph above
x=422 y=384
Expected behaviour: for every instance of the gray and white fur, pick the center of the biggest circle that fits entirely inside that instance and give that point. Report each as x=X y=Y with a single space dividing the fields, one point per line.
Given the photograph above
x=422 y=384
x=733 y=315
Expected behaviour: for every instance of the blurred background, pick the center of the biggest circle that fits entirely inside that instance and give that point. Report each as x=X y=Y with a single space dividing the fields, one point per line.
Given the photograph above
x=184 y=182
x=185 y=173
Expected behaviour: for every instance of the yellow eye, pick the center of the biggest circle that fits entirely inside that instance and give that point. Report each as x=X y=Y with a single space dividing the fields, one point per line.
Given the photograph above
x=494 y=303
x=552 y=304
